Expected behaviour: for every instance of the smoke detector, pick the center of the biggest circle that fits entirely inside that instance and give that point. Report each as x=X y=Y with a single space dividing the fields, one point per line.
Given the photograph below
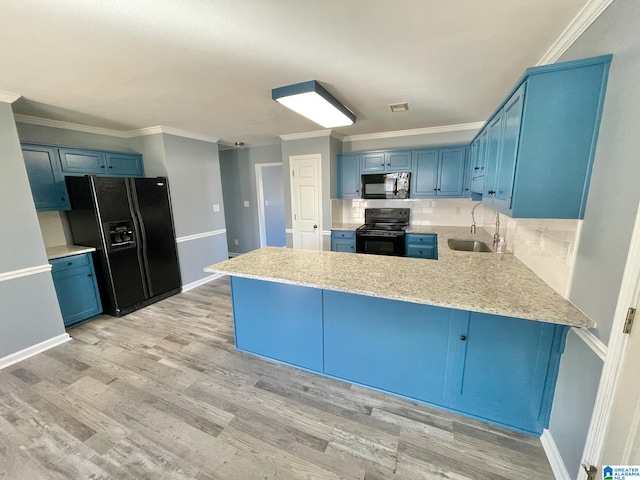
x=399 y=107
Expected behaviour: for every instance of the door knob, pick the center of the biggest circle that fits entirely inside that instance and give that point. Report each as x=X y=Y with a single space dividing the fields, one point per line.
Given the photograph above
x=463 y=337
x=315 y=226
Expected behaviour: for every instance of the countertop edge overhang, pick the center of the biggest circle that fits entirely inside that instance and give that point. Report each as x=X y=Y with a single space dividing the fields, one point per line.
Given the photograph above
x=61 y=251
x=490 y=283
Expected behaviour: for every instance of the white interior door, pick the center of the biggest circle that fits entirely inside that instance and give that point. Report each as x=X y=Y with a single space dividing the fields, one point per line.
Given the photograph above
x=622 y=439
x=306 y=207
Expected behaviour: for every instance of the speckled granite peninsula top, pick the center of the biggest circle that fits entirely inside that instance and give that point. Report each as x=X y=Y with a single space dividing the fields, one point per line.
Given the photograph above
x=480 y=282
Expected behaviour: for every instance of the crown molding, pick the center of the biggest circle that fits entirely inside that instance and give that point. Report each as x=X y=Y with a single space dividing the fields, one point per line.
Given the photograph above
x=46 y=122
x=415 y=131
x=585 y=17
x=313 y=134
x=170 y=131
x=9 y=97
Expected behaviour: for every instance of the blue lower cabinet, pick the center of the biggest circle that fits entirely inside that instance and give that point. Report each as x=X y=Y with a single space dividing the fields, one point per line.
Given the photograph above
x=394 y=346
x=422 y=245
x=504 y=369
x=499 y=369
x=75 y=282
x=343 y=241
x=279 y=321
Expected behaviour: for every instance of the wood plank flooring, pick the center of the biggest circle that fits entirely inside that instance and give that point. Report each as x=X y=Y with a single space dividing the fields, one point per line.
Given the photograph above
x=163 y=394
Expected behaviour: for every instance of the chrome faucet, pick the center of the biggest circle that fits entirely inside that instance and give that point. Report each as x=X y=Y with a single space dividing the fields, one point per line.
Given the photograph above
x=496 y=236
x=473 y=217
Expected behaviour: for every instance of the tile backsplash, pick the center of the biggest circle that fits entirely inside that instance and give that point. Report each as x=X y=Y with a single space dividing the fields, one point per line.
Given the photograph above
x=546 y=246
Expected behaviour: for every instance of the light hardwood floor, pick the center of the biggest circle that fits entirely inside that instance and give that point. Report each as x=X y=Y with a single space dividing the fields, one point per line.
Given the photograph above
x=162 y=394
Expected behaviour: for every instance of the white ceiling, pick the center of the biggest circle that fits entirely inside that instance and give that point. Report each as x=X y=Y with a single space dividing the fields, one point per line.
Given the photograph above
x=208 y=66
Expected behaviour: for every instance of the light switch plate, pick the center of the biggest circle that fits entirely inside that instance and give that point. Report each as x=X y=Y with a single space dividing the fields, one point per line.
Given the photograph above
x=216 y=207
x=246 y=203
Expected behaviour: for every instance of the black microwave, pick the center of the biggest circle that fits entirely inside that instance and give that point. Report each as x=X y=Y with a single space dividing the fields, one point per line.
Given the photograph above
x=386 y=185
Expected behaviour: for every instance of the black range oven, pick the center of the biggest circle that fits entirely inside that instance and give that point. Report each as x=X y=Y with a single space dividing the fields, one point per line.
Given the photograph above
x=383 y=232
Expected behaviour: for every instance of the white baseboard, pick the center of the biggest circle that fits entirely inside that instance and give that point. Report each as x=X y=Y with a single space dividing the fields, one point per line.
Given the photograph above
x=553 y=455
x=233 y=254
x=202 y=281
x=33 y=350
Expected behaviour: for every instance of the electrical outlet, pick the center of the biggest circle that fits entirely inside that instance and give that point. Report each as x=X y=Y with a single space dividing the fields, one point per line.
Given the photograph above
x=236 y=241
x=216 y=207
x=246 y=203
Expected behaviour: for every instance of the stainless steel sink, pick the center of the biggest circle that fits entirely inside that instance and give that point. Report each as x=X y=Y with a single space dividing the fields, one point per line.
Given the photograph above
x=468 y=245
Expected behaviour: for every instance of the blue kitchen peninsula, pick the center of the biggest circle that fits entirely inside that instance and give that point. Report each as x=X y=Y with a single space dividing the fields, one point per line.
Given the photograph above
x=479 y=334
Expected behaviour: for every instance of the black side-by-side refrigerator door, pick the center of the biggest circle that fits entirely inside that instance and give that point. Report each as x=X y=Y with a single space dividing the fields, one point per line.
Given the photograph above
x=159 y=251
x=124 y=262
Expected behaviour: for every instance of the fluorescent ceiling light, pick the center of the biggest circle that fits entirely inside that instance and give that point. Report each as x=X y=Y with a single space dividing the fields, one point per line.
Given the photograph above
x=311 y=100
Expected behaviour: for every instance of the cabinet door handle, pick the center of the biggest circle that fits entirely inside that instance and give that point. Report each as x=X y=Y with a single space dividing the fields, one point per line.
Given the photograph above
x=62 y=198
x=101 y=166
x=110 y=166
x=491 y=192
x=69 y=263
x=477 y=168
x=90 y=275
x=463 y=337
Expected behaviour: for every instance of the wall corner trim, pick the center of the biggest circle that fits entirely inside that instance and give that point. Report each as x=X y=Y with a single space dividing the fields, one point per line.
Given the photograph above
x=416 y=131
x=553 y=455
x=593 y=342
x=33 y=350
x=24 y=272
x=9 y=97
x=585 y=17
x=202 y=281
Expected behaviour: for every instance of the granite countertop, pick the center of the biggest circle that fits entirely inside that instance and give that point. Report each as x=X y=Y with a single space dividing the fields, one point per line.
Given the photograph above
x=60 y=251
x=345 y=226
x=480 y=282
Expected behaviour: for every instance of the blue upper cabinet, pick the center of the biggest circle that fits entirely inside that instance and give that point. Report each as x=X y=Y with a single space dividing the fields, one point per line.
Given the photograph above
x=349 y=176
x=388 y=161
x=478 y=162
x=124 y=164
x=82 y=162
x=79 y=161
x=45 y=178
x=541 y=141
x=438 y=172
x=424 y=181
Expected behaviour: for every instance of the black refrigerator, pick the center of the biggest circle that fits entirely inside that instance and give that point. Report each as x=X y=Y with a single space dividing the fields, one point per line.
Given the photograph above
x=129 y=222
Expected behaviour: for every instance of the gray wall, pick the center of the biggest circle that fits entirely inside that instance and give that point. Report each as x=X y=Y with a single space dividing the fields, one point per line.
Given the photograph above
x=23 y=322
x=193 y=170
x=239 y=184
x=609 y=218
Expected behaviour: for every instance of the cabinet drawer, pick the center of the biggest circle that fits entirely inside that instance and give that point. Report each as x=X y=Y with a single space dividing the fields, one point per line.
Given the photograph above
x=66 y=263
x=421 y=239
x=421 y=251
x=344 y=234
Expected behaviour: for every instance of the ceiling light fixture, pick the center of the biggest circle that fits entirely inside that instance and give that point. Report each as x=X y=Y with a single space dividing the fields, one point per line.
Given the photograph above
x=311 y=100
x=399 y=107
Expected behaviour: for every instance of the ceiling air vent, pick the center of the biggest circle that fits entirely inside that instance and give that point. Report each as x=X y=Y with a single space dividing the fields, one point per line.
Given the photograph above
x=399 y=107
